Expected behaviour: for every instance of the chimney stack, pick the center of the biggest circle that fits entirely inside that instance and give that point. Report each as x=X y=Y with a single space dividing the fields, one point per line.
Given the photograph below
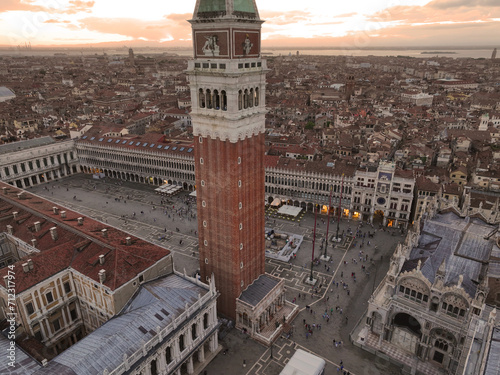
x=15 y=214
x=38 y=225
x=10 y=229
x=128 y=240
x=20 y=195
x=30 y=264
x=80 y=220
x=102 y=276
x=56 y=210
x=4 y=189
x=34 y=242
x=53 y=233
x=104 y=232
x=63 y=214
x=26 y=267
x=101 y=259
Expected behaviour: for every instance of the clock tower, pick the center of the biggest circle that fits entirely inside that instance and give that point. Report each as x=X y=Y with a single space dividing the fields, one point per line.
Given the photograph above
x=227 y=82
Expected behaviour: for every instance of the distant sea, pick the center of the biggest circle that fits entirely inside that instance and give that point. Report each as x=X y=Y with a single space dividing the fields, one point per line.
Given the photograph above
x=430 y=52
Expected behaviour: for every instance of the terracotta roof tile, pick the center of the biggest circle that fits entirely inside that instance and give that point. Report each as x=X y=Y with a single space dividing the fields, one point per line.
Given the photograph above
x=78 y=246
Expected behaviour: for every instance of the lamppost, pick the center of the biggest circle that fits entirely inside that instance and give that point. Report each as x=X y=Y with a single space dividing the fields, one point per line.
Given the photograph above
x=314 y=239
x=340 y=207
x=328 y=223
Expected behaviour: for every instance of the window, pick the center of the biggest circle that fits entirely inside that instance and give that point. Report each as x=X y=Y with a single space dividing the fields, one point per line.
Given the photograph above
x=239 y=160
x=193 y=331
x=205 y=243
x=241 y=226
x=204 y=223
x=202 y=183
x=73 y=314
x=49 y=297
x=205 y=321
x=240 y=205
x=239 y=183
x=168 y=353
x=57 y=325
x=141 y=278
x=241 y=246
x=67 y=287
x=201 y=160
x=196 y=65
x=241 y=265
x=182 y=345
x=204 y=204
x=29 y=308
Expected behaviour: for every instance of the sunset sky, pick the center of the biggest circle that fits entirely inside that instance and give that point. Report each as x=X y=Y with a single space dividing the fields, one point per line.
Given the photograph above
x=354 y=23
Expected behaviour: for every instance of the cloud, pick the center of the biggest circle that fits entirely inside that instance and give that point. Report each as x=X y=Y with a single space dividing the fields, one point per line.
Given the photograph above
x=428 y=14
x=163 y=29
x=73 y=7
x=446 y=4
x=56 y=21
x=285 y=18
x=345 y=15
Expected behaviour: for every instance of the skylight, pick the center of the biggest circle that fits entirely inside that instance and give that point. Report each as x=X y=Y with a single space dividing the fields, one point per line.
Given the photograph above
x=100 y=139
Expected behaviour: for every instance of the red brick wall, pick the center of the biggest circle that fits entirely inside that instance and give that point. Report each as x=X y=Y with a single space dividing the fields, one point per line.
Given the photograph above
x=221 y=172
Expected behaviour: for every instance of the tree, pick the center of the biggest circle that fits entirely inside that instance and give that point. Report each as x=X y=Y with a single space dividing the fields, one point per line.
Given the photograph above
x=309 y=125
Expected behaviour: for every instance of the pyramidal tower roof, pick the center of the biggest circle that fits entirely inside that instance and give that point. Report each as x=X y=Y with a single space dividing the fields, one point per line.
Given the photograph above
x=216 y=9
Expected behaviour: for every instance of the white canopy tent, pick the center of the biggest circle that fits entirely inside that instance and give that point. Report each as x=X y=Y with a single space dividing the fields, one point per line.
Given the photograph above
x=289 y=210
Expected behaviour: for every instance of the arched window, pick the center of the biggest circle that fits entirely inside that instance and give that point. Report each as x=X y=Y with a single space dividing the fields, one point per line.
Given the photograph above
x=245 y=99
x=240 y=100
x=216 y=100
x=250 y=99
x=209 y=99
x=223 y=100
x=256 y=99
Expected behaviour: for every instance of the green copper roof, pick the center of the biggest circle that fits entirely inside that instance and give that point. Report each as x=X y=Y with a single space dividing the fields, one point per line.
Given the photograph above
x=212 y=6
x=244 y=6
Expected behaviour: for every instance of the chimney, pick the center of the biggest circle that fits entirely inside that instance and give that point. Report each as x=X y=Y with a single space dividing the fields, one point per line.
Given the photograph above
x=38 y=225
x=101 y=259
x=63 y=214
x=56 y=210
x=104 y=232
x=102 y=276
x=53 y=233
x=4 y=189
x=16 y=214
x=80 y=221
x=129 y=240
x=26 y=267
x=10 y=230
x=20 y=195
x=6 y=281
x=30 y=264
x=34 y=242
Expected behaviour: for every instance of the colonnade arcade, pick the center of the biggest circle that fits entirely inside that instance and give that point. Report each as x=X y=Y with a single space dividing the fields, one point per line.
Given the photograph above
x=134 y=177
x=255 y=321
x=188 y=352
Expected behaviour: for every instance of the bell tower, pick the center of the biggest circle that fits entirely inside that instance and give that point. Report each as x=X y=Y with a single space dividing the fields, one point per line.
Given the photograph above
x=227 y=83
